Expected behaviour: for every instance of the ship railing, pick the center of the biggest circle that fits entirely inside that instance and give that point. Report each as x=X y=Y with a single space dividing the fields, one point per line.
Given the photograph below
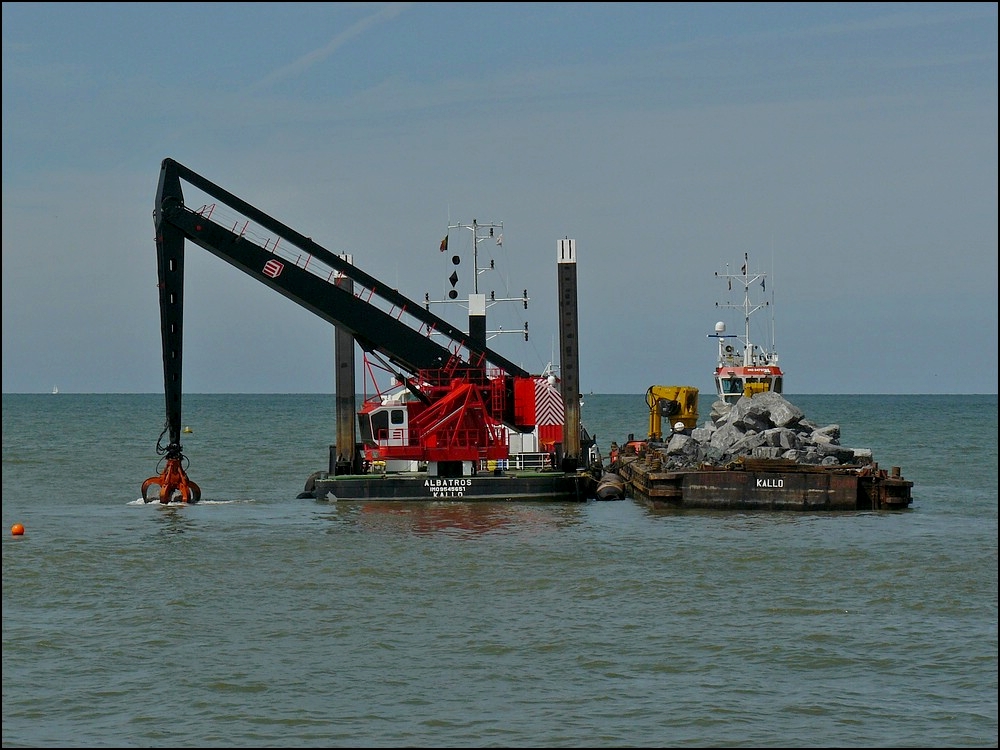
x=530 y=461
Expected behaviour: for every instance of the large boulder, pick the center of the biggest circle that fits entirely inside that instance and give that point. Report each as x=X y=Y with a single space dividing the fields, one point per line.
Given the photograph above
x=765 y=425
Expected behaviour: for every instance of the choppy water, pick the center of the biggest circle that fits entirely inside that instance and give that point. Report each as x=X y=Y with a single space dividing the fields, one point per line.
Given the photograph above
x=254 y=618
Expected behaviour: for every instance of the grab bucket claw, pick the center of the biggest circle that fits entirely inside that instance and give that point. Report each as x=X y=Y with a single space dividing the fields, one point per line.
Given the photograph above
x=173 y=483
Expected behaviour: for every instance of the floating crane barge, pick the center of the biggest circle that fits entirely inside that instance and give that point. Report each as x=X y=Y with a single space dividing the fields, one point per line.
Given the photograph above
x=464 y=422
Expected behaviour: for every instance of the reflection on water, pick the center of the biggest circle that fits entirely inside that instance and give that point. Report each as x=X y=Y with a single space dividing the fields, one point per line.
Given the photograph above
x=172 y=520
x=455 y=518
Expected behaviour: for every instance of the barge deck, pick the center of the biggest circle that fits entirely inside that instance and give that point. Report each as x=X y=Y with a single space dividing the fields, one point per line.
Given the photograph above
x=765 y=484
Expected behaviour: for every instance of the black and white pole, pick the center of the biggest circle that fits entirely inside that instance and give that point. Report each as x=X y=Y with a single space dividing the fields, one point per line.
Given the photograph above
x=569 y=358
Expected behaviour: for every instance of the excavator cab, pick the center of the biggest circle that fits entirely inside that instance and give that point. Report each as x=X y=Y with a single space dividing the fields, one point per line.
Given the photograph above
x=675 y=403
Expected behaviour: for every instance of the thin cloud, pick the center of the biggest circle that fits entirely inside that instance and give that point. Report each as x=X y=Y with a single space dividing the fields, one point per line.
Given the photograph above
x=307 y=61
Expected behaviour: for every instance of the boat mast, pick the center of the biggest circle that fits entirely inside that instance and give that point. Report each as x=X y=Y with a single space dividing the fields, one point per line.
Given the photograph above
x=476 y=239
x=747 y=346
x=773 y=348
x=747 y=277
x=491 y=231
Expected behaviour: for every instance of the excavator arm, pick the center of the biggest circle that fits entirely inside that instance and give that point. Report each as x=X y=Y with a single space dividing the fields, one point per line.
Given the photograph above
x=379 y=318
x=677 y=403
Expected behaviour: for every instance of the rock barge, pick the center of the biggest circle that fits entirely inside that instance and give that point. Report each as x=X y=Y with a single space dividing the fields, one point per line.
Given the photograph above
x=759 y=453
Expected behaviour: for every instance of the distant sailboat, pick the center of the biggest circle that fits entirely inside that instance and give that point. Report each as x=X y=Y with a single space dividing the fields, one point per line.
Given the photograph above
x=55 y=390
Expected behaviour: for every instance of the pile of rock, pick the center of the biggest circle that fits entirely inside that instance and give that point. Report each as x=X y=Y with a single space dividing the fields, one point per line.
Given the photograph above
x=763 y=426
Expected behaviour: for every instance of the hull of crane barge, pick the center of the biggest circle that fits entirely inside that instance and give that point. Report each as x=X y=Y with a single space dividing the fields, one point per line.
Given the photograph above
x=559 y=487
x=764 y=485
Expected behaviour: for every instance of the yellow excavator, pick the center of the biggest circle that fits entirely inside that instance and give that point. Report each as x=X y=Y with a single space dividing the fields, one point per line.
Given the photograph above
x=675 y=403
x=678 y=404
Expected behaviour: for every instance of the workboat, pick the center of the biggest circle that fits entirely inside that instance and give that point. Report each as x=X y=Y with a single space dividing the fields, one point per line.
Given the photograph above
x=745 y=367
x=456 y=421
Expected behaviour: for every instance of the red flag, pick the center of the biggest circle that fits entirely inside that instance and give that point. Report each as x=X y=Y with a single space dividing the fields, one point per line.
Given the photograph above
x=444 y=244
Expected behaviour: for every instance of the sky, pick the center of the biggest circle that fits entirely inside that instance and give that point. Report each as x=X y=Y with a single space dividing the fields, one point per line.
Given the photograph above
x=849 y=149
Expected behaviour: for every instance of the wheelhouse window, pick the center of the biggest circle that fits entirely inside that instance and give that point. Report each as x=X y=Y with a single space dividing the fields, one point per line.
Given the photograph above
x=380 y=424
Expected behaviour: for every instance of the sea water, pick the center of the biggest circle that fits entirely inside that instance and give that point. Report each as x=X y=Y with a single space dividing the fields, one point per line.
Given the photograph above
x=257 y=619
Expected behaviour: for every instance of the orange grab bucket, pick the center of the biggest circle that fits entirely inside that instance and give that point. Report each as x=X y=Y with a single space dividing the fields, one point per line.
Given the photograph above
x=173 y=480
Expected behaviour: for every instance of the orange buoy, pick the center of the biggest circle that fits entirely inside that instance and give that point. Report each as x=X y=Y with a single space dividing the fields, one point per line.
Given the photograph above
x=17 y=529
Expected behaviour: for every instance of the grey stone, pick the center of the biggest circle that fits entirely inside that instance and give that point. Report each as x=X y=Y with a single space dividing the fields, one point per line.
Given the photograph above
x=765 y=425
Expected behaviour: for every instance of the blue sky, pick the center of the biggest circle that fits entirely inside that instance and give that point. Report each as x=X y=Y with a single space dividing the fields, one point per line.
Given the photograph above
x=850 y=149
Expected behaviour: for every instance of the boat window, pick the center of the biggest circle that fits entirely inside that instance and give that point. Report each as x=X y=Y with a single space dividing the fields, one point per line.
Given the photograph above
x=365 y=429
x=733 y=386
x=398 y=416
x=777 y=385
x=380 y=424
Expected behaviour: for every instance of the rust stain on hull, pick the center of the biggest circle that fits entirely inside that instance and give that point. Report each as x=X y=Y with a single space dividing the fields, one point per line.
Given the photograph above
x=768 y=485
